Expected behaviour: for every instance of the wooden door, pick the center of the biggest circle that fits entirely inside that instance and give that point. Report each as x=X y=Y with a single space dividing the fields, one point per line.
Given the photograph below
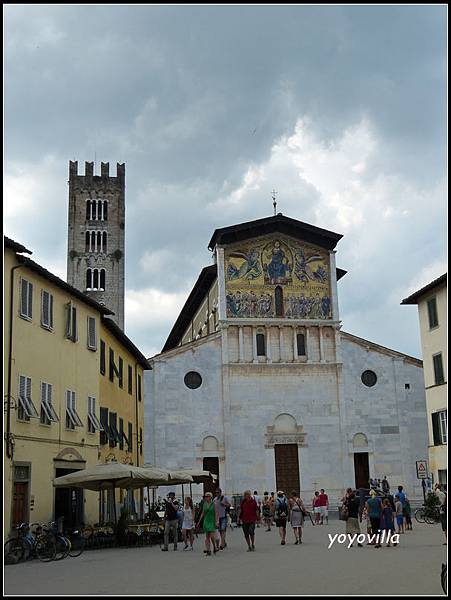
x=361 y=470
x=211 y=463
x=287 y=468
x=20 y=495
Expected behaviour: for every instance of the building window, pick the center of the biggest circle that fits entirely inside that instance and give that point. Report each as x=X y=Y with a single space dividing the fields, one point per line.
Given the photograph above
x=438 y=369
x=440 y=427
x=92 y=333
x=96 y=210
x=113 y=369
x=192 y=380
x=130 y=379
x=72 y=418
x=443 y=426
x=139 y=388
x=95 y=280
x=300 y=339
x=261 y=350
x=369 y=378
x=47 y=310
x=432 y=313
x=104 y=432
x=121 y=372
x=443 y=477
x=26 y=299
x=102 y=357
x=71 y=322
x=25 y=407
x=121 y=433
x=93 y=422
x=279 y=301
x=48 y=414
x=130 y=434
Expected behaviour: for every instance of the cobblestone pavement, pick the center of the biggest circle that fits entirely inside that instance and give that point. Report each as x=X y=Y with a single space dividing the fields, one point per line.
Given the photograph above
x=411 y=568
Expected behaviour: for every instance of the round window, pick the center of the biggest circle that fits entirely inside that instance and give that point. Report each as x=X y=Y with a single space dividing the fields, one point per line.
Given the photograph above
x=193 y=380
x=369 y=378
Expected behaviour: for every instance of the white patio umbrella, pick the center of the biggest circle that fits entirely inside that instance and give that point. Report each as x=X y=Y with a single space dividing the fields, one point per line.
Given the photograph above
x=113 y=475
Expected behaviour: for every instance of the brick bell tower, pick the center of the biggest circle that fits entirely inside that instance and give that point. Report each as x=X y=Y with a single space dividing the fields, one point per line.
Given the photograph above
x=96 y=235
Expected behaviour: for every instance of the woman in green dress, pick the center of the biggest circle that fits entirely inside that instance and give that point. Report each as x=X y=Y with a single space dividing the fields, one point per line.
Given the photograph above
x=210 y=522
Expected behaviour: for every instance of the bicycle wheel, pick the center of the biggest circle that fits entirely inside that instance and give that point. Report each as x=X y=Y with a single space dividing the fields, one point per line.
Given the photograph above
x=14 y=551
x=63 y=546
x=45 y=549
x=419 y=515
x=77 y=545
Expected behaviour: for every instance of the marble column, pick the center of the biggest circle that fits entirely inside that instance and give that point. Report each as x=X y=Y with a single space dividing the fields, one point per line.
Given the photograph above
x=240 y=344
x=281 y=344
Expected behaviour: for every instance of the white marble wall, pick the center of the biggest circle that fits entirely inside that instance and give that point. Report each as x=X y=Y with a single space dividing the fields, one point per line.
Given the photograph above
x=239 y=400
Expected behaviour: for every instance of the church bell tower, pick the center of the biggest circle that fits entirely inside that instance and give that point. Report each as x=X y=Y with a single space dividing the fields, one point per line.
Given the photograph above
x=96 y=235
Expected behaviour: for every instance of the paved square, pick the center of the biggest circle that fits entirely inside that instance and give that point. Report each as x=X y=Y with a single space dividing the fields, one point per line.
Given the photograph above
x=412 y=568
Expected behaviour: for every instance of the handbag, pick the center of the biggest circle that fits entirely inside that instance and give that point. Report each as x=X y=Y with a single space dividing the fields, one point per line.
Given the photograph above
x=343 y=513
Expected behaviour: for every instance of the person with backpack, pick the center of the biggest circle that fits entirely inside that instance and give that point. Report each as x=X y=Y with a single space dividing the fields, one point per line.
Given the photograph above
x=222 y=505
x=374 y=508
x=171 y=521
x=297 y=513
x=281 y=514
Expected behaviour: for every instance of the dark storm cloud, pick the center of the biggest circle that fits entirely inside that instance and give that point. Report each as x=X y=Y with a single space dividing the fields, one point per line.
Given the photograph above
x=193 y=97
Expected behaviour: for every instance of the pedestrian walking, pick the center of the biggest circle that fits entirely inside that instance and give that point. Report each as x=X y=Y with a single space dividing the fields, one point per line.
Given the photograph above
x=267 y=511
x=171 y=519
x=441 y=495
x=316 y=508
x=388 y=519
x=272 y=503
x=385 y=486
x=188 y=524
x=365 y=520
x=297 y=512
x=408 y=513
x=323 y=500
x=222 y=504
x=259 y=503
x=352 y=506
x=399 y=514
x=374 y=508
x=248 y=517
x=210 y=523
x=281 y=515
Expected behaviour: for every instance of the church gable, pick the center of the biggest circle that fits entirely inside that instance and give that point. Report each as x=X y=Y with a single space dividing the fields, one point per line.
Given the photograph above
x=277 y=276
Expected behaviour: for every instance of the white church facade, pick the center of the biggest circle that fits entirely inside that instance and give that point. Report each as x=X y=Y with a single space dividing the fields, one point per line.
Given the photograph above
x=258 y=382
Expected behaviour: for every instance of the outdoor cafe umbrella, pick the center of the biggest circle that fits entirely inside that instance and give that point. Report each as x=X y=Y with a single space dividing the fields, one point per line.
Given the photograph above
x=113 y=475
x=196 y=476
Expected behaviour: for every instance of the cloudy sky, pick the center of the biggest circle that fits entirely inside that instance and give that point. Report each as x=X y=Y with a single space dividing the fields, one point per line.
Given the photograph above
x=341 y=109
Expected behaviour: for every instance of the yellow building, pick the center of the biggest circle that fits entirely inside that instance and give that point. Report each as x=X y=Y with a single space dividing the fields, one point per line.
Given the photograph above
x=431 y=301
x=54 y=336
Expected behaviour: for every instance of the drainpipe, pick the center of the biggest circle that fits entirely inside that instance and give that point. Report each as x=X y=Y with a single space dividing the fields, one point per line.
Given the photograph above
x=9 y=452
x=141 y=491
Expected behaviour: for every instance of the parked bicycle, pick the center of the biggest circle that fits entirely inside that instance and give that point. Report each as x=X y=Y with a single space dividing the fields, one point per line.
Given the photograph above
x=28 y=545
x=427 y=514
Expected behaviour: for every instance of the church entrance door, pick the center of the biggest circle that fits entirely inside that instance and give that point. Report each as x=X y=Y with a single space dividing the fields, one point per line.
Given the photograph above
x=211 y=463
x=361 y=469
x=287 y=467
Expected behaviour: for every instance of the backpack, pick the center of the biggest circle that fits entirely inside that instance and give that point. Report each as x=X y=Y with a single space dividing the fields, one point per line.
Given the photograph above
x=281 y=508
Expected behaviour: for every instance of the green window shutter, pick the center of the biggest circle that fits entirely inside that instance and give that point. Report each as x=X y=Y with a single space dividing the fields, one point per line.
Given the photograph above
x=102 y=357
x=432 y=312
x=438 y=369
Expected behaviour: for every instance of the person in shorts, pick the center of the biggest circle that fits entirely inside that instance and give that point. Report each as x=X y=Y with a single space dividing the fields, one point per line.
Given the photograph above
x=399 y=514
x=323 y=499
x=222 y=505
x=281 y=514
x=248 y=517
x=316 y=508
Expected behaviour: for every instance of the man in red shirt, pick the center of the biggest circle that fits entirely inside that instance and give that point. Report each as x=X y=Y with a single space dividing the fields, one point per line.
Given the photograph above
x=248 y=517
x=323 y=503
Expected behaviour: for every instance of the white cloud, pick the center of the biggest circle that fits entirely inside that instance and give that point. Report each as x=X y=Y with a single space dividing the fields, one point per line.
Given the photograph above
x=151 y=306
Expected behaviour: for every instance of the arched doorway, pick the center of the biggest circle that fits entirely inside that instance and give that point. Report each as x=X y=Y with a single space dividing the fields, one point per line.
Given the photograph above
x=286 y=454
x=210 y=461
x=361 y=460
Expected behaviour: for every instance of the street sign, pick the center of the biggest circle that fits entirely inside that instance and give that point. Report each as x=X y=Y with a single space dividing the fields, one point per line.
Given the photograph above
x=422 y=469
